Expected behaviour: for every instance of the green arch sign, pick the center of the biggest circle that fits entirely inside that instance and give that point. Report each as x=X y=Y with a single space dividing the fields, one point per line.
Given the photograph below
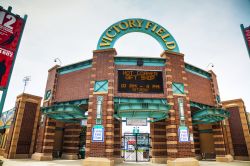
x=118 y=29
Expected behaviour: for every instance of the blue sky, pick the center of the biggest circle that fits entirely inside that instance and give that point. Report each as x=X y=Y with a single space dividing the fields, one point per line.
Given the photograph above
x=206 y=32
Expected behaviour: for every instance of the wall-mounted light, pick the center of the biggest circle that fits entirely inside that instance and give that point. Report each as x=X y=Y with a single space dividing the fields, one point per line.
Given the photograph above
x=58 y=60
x=99 y=110
x=181 y=111
x=210 y=66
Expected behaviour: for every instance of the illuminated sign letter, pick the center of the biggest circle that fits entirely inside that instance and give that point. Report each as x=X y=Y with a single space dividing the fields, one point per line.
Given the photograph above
x=117 y=30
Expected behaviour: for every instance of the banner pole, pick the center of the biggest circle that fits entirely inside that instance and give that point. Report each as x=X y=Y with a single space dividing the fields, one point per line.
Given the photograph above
x=244 y=36
x=5 y=90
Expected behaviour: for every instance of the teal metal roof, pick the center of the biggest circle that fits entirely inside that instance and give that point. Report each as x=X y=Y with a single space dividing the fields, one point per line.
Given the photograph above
x=206 y=114
x=73 y=102
x=199 y=105
x=156 y=109
x=65 y=112
x=209 y=115
x=75 y=67
x=197 y=71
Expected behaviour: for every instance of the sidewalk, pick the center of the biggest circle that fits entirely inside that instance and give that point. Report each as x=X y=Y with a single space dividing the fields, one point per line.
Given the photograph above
x=28 y=162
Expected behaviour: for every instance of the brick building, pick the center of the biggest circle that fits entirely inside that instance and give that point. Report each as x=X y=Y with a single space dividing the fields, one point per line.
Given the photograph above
x=180 y=101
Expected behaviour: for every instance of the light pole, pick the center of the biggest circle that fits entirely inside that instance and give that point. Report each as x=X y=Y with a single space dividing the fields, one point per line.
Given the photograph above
x=26 y=79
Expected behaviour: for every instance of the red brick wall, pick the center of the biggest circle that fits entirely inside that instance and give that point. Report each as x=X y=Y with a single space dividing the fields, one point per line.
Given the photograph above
x=200 y=89
x=26 y=130
x=139 y=95
x=51 y=78
x=238 y=139
x=215 y=84
x=73 y=86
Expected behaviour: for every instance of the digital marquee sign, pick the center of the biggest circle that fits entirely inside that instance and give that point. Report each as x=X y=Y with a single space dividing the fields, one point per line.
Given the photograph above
x=136 y=81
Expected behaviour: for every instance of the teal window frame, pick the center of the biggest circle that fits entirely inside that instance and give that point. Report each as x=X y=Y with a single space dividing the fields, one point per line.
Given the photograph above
x=47 y=94
x=178 y=88
x=101 y=86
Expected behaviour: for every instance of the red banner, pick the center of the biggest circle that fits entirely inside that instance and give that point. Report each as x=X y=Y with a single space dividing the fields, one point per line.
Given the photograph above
x=10 y=30
x=247 y=36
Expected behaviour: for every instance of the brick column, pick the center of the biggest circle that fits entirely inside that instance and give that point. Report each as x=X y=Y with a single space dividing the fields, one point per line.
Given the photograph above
x=219 y=144
x=175 y=72
x=45 y=140
x=21 y=139
x=214 y=87
x=71 y=141
x=237 y=129
x=158 y=142
x=102 y=69
x=117 y=139
x=196 y=141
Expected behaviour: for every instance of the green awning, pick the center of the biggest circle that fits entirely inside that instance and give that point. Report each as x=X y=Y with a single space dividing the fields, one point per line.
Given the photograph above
x=209 y=115
x=65 y=112
x=156 y=109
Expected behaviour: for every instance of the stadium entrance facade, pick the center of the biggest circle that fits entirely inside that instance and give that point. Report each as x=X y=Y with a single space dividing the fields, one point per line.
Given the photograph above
x=181 y=101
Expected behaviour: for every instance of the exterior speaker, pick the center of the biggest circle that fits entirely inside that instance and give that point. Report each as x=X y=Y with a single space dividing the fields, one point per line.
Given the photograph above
x=139 y=62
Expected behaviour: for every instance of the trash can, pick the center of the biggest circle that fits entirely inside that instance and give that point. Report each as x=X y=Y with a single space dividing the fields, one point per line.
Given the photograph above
x=82 y=152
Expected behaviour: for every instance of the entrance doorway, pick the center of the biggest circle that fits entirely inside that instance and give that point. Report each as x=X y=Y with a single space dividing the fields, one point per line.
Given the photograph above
x=136 y=147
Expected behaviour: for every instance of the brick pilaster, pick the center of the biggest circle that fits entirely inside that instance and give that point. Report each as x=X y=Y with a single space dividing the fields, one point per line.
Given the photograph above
x=45 y=137
x=71 y=140
x=158 y=139
x=214 y=86
x=175 y=72
x=102 y=69
x=118 y=138
x=196 y=140
x=219 y=143
x=237 y=129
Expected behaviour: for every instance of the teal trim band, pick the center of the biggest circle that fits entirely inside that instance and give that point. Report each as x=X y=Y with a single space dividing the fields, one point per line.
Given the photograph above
x=140 y=100
x=74 y=67
x=197 y=71
x=120 y=28
x=146 y=61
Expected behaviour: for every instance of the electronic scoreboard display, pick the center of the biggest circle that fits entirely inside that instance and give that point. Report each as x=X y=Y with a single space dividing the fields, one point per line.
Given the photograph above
x=140 y=81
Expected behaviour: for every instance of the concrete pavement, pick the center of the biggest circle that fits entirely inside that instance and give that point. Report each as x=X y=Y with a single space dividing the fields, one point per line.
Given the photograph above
x=28 y=162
